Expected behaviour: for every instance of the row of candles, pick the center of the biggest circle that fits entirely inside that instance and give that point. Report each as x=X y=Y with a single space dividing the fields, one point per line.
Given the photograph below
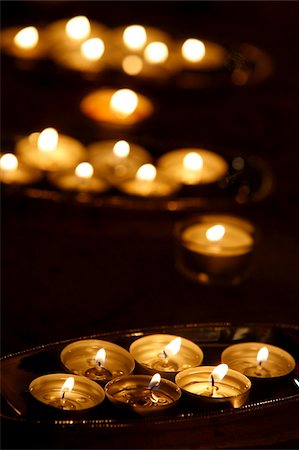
x=96 y=363
x=88 y=46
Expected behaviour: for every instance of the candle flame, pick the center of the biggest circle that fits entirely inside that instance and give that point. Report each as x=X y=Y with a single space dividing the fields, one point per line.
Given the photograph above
x=93 y=49
x=132 y=64
x=193 y=50
x=262 y=355
x=173 y=347
x=147 y=172
x=100 y=357
x=8 y=162
x=124 y=102
x=156 y=52
x=219 y=372
x=155 y=381
x=193 y=161
x=84 y=170
x=47 y=140
x=27 y=38
x=121 y=149
x=78 y=28
x=215 y=233
x=68 y=385
x=134 y=37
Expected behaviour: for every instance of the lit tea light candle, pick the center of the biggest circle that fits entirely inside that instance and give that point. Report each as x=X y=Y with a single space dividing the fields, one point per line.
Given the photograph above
x=148 y=182
x=193 y=166
x=117 y=160
x=214 y=249
x=116 y=107
x=81 y=179
x=50 y=151
x=214 y=385
x=132 y=64
x=258 y=360
x=166 y=354
x=67 y=393
x=202 y=55
x=143 y=394
x=134 y=37
x=156 y=52
x=12 y=172
x=24 y=43
x=96 y=359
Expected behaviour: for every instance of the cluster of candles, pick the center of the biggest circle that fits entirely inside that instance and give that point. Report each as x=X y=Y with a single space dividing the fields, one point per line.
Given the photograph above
x=167 y=366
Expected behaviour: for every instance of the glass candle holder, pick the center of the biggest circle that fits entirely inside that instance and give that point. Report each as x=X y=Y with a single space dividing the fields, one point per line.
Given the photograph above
x=133 y=392
x=215 y=249
x=80 y=395
x=166 y=354
x=122 y=107
x=259 y=361
x=80 y=357
x=233 y=390
x=14 y=172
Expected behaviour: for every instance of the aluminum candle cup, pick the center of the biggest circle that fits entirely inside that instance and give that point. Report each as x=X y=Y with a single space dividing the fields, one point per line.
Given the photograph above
x=117 y=160
x=193 y=166
x=133 y=392
x=50 y=151
x=259 y=361
x=166 y=354
x=121 y=107
x=24 y=43
x=233 y=390
x=214 y=249
x=80 y=395
x=12 y=172
x=80 y=357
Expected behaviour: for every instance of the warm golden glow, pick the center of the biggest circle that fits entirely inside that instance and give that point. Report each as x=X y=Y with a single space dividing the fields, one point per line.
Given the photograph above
x=262 y=355
x=215 y=233
x=68 y=385
x=132 y=64
x=134 y=37
x=78 y=28
x=121 y=149
x=124 y=102
x=219 y=372
x=84 y=170
x=47 y=140
x=156 y=52
x=193 y=50
x=155 y=381
x=147 y=172
x=193 y=161
x=8 y=162
x=93 y=49
x=173 y=347
x=26 y=38
x=100 y=357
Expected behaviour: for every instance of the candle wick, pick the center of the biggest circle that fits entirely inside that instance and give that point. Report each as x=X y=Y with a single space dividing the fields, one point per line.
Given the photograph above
x=63 y=394
x=164 y=354
x=213 y=381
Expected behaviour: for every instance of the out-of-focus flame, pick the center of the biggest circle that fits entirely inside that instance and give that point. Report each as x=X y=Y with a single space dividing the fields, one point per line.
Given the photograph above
x=100 y=357
x=26 y=38
x=215 y=233
x=132 y=64
x=78 y=28
x=121 y=149
x=219 y=372
x=8 y=162
x=193 y=50
x=67 y=385
x=124 y=102
x=193 y=161
x=156 y=52
x=93 y=49
x=147 y=172
x=173 y=347
x=134 y=37
x=84 y=170
x=47 y=140
x=155 y=381
x=262 y=355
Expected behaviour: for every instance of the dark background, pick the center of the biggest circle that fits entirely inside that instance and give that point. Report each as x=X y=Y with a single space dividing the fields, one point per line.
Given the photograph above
x=70 y=270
